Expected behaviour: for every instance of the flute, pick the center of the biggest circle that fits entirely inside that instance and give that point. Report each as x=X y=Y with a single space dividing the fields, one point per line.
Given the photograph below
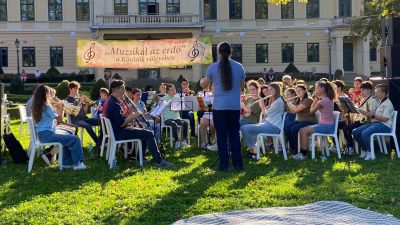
x=290 y=99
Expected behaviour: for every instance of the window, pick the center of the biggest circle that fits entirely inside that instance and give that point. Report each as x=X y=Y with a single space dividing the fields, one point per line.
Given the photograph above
x=372 y=54
x=287 y=11
x=3 y=57
x=27 y=10
x=56 y=56
x=214 y=53
x=237 y=52
x=28 y=57
x=82 y=10
x=3 y=10
x=261 y=53
x=261 y=9
x=235 y=9
x=55 y=10
x=312 y=52
x=287 y=52
x=148 y=7
x=344 y=8
x=312 y=9
x=210 y=9
x=120 y=7
x=173 y=6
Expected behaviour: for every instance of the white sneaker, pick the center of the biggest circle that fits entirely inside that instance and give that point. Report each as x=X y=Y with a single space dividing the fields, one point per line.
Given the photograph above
x=363 y=154
x=177 y=145
x=81 y=166
x=299 y=156
x=213 y=147
x=369 y=157
x=184 y=144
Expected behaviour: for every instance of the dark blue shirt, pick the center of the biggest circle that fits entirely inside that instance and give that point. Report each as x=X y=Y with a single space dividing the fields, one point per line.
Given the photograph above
x=115 y=114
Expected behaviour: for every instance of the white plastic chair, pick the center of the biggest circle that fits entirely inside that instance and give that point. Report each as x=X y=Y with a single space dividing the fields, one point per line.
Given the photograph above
x=23 y=117
x=381 y=136
x=106 y=136
x=334 y=135
x=169 y=128
x=112 y=144
x=35 y=143
x=278 y=138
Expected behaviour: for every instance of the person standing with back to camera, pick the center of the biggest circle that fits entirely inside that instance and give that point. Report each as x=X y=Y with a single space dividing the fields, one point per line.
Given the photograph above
x=228 y=77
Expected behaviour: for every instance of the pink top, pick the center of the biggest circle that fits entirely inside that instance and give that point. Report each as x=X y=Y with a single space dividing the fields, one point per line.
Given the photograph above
x=326 y=111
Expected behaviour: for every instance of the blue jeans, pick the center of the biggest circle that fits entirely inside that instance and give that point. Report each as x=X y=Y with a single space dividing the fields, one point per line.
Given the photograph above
x=243 y=122
x=157 y=129
x=290 y=117
x=363 y=134
x=72 y=150
x=291 y=133
x=226 y=123
x=87 y=124
x=250 y=131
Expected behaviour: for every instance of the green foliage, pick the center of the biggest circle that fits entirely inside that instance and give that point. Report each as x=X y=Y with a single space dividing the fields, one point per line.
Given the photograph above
x=17 y=86
x=370 y=20
x=1 y=70
x=62 y=90
x=94 y=93
x=117 y=76
x=53 y=71
x=291 y=68
x=338 y=74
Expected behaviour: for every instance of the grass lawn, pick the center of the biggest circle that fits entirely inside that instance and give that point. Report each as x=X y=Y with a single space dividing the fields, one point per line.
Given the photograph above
x=126 y=195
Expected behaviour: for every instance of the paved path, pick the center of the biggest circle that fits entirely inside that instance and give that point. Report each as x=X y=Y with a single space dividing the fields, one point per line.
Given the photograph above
x=324 y=212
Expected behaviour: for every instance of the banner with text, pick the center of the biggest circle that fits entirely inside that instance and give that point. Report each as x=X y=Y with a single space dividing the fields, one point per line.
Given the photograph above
x=137 y=54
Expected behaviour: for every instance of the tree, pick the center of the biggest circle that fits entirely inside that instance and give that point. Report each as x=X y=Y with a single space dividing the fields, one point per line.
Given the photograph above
x=62 y=89
x=94 y=93
x=369 y=23
x=17 y=86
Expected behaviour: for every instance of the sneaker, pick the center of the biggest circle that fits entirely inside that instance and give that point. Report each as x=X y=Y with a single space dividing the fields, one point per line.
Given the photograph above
x=177 y=145
x=213 y=147
x=369 y=156
x=299 y=156
x=164 y=164
x=81 y=166
x=48 y=159
x=363 y=154
x=184 y=144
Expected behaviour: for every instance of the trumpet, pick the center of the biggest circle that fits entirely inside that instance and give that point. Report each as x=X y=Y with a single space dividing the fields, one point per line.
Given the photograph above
x=87 y=100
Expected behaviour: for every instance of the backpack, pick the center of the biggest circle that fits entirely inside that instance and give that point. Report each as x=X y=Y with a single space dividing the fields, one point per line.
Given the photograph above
x=17 y=153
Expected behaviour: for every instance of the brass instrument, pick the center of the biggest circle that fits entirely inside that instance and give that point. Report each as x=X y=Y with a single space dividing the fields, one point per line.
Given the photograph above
x=71 y=109
x=132 y=105
x=63 y=106
x=87 y=100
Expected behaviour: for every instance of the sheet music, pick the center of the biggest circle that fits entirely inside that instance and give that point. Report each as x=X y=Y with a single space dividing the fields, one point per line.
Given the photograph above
x=159 y=108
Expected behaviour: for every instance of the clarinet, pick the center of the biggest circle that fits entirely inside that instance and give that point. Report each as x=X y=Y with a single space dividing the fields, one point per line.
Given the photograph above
x=130 y=102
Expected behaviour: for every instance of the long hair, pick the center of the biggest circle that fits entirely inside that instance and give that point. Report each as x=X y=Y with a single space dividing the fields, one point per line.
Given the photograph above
x=278 y=93
x=328 y=89
x=302 y=86
x=225 y=68
x=39 y=102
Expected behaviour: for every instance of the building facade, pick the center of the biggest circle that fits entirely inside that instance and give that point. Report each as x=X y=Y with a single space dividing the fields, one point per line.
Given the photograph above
x=312 y=35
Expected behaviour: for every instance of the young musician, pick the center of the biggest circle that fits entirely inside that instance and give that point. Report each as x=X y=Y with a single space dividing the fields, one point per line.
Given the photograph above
x=287 y=82
x=368 y=104
x=188 y=114
x=337 y=104
x=380 y=121
x=323 y=102
x=251 y=108
x=271 y=121
x=103 y=98
x=290 y=97
x=355 y=93
x=120 y=124
x=228 y=78
x=81 y=120
x=304 y=116
x=44 y=118
x=172 y=118
x=206 y=121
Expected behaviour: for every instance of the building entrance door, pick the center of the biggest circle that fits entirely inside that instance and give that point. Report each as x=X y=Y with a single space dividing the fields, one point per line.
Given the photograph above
x=348 y=56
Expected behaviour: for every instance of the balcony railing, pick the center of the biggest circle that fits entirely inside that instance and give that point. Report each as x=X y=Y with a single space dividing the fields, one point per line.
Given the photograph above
x=340 y=22
x=132 y=21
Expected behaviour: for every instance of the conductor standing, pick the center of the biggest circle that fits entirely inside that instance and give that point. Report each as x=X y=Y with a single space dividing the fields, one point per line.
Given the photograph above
x=228 y=77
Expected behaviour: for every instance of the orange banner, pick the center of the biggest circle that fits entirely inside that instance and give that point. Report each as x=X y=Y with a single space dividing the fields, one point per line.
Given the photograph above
x=137 y=54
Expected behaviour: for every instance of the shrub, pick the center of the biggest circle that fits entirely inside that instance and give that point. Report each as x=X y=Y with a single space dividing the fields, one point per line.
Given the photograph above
x=62 y=89
x=338 y=74
x=291 y=68
x=17 y=86
x=94 y=93
x=53 y=71
x=1 y=70
x=117 y=76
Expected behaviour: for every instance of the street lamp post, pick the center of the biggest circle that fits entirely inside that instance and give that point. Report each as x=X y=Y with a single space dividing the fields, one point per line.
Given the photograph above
x=330 y=56
x=17 y=46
